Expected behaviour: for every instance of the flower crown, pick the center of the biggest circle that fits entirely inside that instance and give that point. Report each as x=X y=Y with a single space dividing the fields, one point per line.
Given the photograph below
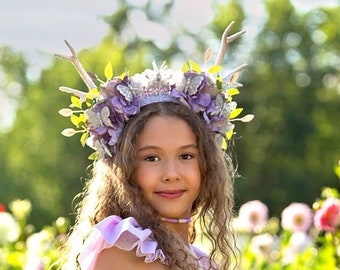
x=102 y=112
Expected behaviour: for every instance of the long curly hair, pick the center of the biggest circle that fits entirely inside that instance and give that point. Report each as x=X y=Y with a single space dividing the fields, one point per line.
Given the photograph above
x=113 y=191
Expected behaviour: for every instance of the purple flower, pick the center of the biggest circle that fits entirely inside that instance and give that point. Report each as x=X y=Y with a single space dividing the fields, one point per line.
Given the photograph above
x=198 y=102
x=119 y=104
x=114 y=135
x=192 y=91
x=198 y=82
x=109 y=89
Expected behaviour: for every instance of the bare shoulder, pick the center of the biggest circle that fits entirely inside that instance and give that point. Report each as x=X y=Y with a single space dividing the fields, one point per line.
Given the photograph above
x=115 y=259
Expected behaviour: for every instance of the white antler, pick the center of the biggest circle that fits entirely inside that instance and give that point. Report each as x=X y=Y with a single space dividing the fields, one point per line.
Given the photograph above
x=76 y=63
x=225 y=41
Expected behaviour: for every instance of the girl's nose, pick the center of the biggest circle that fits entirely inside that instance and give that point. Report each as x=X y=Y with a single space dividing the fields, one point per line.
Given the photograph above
x=171 y=171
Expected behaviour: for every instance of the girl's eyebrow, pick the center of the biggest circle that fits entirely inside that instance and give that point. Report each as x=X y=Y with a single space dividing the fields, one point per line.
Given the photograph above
x=154 y=147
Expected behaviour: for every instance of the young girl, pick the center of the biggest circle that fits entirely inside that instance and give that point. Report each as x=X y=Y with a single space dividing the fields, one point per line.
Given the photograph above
x=160 y=177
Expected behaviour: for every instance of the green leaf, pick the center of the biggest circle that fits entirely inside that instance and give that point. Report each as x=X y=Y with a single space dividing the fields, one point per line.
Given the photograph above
x=93 y=156
x=215 y=69
x=121 y=76
x=194 y=66
x=235 y=113
x=224 y=145
x=82 y=120
x=219 y=82
x=92 y=94
x=76 y=102
x=108 y=72
x=185 y=67
x=229 y=134
x=337 y=170
x=233 y=91
x=83 y=138
x=74 y=120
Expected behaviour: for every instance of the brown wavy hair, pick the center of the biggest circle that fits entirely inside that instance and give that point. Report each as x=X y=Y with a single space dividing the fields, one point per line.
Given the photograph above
x=113 y=191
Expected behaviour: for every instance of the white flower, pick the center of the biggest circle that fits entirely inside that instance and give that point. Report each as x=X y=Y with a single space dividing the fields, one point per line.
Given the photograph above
x=298 y=242
x=34 y=263
x=263 y=244
x=9 y=228
x=253 y=216
x=39 y=243
x=297 y=217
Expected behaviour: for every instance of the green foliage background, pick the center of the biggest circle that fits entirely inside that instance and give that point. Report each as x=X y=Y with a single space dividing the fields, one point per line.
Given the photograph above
x=292 y=86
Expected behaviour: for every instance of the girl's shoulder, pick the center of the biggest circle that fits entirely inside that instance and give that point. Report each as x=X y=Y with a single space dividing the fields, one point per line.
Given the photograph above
x=116 y=236
x=115 y=258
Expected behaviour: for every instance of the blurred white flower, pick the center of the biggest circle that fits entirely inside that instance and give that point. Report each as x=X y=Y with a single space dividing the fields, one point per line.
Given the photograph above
x=242 y=241
x=34 y=263
x=298 y=242
x=263 y=245
x=9 y=228
x=297 y=217
x=253 y=216
x=39 y=243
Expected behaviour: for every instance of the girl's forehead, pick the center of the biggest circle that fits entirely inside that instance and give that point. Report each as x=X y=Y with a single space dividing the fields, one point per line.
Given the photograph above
x=166 y=131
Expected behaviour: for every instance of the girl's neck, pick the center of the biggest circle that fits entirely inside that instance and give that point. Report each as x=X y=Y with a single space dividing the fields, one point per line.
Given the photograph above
x=181 y=226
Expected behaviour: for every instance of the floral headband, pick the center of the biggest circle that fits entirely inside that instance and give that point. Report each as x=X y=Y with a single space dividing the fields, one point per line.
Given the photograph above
x=101 y=113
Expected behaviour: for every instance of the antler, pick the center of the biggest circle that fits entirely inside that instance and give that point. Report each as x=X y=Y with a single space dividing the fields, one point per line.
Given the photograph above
x=225 y=41
x=76 y=63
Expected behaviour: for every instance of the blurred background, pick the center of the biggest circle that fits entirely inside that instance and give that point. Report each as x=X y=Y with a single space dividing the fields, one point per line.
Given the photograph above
x=292 y=86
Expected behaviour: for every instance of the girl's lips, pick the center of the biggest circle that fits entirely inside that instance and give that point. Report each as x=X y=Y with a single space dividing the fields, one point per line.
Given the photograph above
x=170 y=194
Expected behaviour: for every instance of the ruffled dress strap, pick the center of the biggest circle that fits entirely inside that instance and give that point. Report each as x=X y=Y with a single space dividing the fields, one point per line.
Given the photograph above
x=125 y=234
x=203 y=258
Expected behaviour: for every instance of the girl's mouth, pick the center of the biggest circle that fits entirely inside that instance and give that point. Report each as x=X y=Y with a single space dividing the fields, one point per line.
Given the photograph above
x=170 y=194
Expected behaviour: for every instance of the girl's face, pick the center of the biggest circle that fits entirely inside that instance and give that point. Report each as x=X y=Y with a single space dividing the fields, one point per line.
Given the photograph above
x=168 y=166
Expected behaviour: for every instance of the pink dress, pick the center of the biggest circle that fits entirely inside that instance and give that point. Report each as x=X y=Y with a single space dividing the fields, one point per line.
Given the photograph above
x=126 y=234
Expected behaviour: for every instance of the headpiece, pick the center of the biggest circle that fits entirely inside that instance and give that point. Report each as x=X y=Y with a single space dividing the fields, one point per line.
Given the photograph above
x=101 y=113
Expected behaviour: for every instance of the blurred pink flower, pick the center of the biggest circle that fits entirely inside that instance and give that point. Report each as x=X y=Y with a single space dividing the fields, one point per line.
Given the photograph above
x=253 y=216
x=297 y=217
x=2 y=208
x=327 y=218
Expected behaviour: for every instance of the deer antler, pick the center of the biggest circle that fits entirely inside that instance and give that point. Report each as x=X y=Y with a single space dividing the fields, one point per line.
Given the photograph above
x=76 y=63
x=225 y=41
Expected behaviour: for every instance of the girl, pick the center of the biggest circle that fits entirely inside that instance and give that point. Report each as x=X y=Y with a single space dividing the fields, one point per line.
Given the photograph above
x=160 y=177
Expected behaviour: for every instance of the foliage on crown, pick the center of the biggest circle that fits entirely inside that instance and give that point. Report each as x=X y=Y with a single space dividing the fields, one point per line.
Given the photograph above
x=101 y=114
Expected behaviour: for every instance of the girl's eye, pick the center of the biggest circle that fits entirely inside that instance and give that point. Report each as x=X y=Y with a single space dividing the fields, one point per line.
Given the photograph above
x=186 y=156
x=151 y=158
